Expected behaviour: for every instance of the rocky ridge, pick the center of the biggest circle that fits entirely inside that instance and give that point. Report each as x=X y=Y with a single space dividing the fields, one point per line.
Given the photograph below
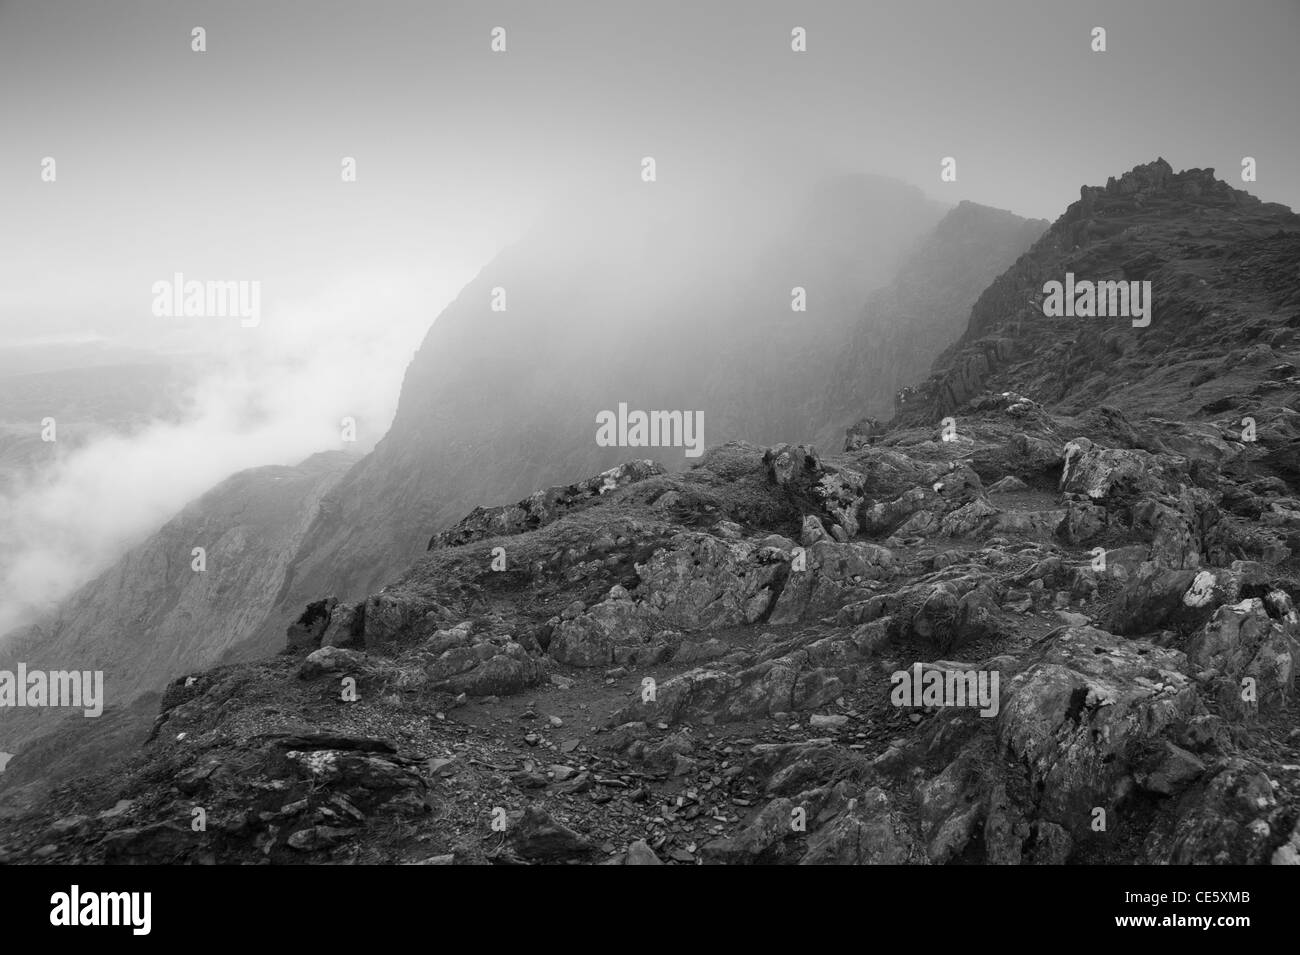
x=702 y=666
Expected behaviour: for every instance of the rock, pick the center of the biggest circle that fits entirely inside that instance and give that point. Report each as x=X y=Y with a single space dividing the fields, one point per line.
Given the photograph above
x=1008 y=485
x=542 y=507
x=699 y=651
x=640 y=853
x=486 y=669
x=1227 y=819
x=834 y=720
x=1091 y=715
x=868 y=832
x=331 y=659
x=757 y=842
x=535 y=835
x=1244 y=641
x=1109 y=474
x=813 y=531
x=316 y=838
x=786 y=464
x=305 y=632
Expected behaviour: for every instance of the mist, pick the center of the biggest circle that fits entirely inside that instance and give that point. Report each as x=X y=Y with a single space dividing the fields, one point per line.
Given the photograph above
x=274 y=394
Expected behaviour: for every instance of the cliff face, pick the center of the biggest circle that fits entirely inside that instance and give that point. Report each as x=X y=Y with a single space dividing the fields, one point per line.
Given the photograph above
x=152 y=616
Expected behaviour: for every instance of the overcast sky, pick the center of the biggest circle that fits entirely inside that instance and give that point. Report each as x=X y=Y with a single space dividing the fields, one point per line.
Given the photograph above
x=226 y=163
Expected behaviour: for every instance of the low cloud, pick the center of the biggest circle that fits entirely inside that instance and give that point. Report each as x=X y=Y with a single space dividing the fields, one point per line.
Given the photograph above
x=274 y=394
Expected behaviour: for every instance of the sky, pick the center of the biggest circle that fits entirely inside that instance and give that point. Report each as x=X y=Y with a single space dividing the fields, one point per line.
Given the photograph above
x=226 y=165
x=227 y=162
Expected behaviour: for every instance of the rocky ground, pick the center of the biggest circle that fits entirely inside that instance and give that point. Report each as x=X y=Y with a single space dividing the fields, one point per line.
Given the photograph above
x=648 y=668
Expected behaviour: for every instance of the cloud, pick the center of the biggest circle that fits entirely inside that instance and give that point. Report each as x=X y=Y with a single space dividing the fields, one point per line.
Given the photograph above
x=274 y=394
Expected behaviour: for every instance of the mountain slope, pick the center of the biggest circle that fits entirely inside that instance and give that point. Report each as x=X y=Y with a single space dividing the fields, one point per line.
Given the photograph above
x=1222 y=266
x=151 y=616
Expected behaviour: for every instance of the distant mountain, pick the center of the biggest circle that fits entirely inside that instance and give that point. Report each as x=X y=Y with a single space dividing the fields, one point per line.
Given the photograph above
x=85 y=402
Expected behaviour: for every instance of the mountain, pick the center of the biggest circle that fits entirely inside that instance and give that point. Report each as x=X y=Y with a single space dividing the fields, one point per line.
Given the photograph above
x=1222 y=268
x=1043 y=631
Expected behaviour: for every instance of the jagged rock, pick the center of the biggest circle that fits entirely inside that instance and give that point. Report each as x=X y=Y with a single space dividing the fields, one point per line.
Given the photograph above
x=306 y=631
x=542 y=507
x=701 y=582
x=331 y=660
x=486 y=669
x=833 y=574
x=1229 y=818
x=1091 y=714
x=1107 y=474
x=787 y=465
x=1246 y=640
x=606 y=633
x=867 y=832
x=534 y=834
x=813 y=531
x=1008 y=485
x=640 y=853
x=1160 y=598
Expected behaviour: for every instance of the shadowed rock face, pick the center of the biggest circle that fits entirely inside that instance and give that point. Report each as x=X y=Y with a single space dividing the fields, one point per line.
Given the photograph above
x=1044 y=631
